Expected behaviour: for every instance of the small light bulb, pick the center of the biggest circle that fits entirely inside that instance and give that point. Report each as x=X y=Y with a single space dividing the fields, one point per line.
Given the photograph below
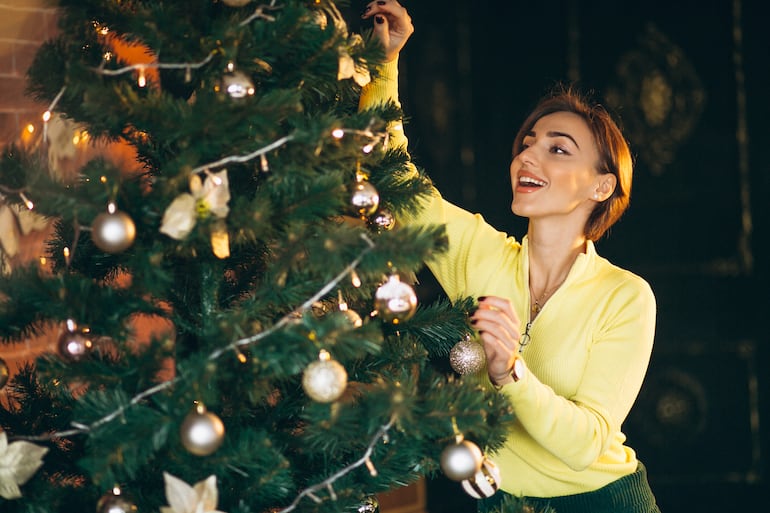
x=30 y=128
x=368 y=148
x=47 y=116
x=142 y=81
x=338 y=133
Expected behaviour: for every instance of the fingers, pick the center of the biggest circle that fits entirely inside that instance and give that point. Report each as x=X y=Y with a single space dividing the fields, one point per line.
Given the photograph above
x=498 y=326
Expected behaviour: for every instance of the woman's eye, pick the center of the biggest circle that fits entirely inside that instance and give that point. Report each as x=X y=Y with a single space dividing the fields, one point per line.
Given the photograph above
x=559 y=150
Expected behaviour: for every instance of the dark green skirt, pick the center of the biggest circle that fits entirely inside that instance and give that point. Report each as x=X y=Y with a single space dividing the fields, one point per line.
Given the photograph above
x=629 y=494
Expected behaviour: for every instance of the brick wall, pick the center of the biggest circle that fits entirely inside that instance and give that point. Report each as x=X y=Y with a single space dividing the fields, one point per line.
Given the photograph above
x=24 y=25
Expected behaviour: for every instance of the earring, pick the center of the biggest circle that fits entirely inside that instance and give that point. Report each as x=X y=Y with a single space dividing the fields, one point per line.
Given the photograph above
x=596 y=195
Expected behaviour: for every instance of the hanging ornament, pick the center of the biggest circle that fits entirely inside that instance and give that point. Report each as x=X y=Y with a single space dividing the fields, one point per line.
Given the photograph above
x=113 y=231
x=486 y=481
x=325 y=380
x=364 y=197
x=383 y=220
x=236 y=3
x=75 y=344
x=236 y=84
x=394 y=300
x=461 y=460
x=369 y=505
x=467 y=356
x=5 y=373
x=114 y=502
x=202 y=432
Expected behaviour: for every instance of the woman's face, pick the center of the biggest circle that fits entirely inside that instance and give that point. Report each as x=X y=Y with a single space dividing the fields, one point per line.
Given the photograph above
x=555 y=174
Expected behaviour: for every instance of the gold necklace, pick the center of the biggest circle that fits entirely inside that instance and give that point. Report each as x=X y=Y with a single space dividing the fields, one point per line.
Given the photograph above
x=537 y=305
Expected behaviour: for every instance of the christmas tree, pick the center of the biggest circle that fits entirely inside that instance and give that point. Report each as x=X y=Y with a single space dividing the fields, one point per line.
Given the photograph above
x=296 y=370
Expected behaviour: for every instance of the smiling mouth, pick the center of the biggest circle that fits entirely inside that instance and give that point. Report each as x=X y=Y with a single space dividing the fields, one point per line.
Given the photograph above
x=528 y=181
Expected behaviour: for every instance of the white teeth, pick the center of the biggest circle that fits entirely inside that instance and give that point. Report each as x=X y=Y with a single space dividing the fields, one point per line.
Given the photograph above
x=528 y=180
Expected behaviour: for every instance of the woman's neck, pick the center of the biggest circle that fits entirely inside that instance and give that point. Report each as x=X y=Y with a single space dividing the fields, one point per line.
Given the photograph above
x=551 y=257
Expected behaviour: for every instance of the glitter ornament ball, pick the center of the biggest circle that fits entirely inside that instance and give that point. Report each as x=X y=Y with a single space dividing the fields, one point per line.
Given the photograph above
x=365 y=199
x=113 y=231
x=4 y=373
x=461 y=461
x=74 y=344
x=202 y=432
x=467 y=357
x=114 y=502
x=325 y=380
x=395 y=301
x=485 y=483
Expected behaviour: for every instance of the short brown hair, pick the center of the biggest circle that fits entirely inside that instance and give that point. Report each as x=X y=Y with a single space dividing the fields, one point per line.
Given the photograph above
x=614 y=152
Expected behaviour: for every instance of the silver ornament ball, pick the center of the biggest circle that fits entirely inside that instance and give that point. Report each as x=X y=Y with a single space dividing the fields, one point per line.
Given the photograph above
x=365 y=199
x=74 y=345
x=485 y=483
x=383 y=220
x=461 y=460
x=324 y=380
x=237 y=85
x=202 y=432
x=113 y=232
x=112 y=502
x=370 y=505
x=467 y=357
x=395 y=301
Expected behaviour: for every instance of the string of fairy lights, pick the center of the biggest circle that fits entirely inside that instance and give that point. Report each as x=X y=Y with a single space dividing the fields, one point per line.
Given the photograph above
x=390 y=291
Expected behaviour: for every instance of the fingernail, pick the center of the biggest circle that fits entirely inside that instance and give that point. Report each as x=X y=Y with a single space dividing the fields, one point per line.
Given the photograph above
x=379 y=19
x=381 y=2
x=474 y=321
x=482 y=298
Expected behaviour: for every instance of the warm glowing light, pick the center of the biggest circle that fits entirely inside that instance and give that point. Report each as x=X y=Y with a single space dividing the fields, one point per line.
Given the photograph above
x=30 y=128
x=27 y=202
x=338 y=133
x=355 y=279
x=368 y=148
x=43 y=261
x=142 y=81
x=103 y=179
x=66 y=252
x=47 y=116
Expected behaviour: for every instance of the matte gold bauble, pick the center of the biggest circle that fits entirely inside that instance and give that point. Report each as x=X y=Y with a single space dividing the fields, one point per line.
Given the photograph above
x=461 y=460
x=113 y=231
x=202 y=432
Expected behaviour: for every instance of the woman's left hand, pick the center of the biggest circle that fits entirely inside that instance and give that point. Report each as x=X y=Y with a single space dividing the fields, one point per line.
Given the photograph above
x=499 y=328
x=392 y=25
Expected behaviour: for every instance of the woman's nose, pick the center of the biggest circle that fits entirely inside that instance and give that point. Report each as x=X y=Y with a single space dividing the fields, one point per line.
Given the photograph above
x=527 y=156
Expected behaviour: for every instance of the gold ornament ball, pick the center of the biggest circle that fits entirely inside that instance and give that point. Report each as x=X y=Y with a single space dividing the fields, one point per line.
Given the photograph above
x=485 y=483
x=74 y=345
x=395 y=301
x=202 y=432
x=461 y=461
x=324 y=380
x=236 y=3
x=113 y=232
x=5 y=373
x=364 y=198
x=112 y=502
x=370 y=505
x=467 y=357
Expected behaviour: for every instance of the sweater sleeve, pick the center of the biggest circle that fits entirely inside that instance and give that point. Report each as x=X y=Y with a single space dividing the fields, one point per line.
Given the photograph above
x=578 y=429
x=384 y=88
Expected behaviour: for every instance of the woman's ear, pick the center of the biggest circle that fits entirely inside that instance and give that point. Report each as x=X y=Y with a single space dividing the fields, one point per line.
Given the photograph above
x=605 y=186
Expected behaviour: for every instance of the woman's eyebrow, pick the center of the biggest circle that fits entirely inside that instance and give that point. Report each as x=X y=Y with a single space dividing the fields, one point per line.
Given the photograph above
x=563 y=134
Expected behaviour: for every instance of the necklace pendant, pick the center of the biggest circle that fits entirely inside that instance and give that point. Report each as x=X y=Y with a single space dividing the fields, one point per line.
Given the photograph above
x=536 y=308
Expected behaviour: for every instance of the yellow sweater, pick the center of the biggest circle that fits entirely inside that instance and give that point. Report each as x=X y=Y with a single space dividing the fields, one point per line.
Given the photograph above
x=587 y=357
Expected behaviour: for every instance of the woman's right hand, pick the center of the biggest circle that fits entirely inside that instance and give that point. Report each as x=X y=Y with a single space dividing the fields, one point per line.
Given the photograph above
x=392 y=25
x=499 y=329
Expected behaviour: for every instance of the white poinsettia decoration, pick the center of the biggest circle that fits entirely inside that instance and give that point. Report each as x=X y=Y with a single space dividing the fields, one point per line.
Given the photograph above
x=209 y=197
x=18 y=462
x=183 y=498
x=347 y=66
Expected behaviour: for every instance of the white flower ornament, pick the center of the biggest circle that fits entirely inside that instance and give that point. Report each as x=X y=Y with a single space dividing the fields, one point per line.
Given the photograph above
x=183 y=498
x=209 y=197
x=18 y=462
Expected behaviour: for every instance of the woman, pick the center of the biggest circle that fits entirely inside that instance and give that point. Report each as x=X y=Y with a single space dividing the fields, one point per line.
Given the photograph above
x=567 y=334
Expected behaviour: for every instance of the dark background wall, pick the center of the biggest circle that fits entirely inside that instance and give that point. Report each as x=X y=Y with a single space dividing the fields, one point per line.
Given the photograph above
x=689 y=82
